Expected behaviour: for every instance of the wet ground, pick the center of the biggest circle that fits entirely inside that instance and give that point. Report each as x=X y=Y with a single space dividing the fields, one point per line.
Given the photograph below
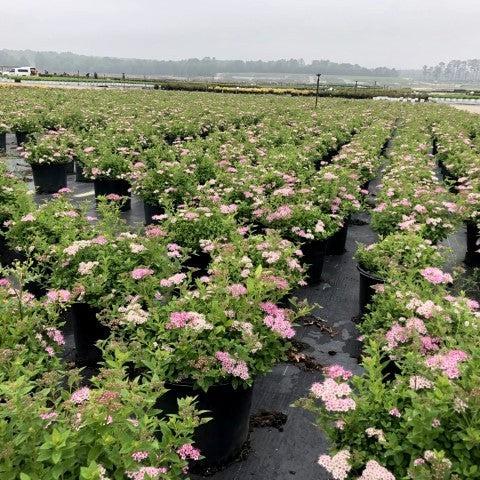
x=291 y=452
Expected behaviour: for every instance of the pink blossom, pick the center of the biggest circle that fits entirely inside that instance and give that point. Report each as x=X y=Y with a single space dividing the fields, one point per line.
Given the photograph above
x=237 y=368
x=436 y=276
x=28 y=218
x=176 y=279
x=283 y=212
x=417 y=382
x=395 y=412
x=334 y=395
x=374 y=471
x=192 y=320
x=237 y=290
x=338 y=465
x=61 y=296
x=140 y=273
x=113 y=197
x=145 y=473
x=81 y=395
x=139 y=456
x=55 y=335
x=232 y=208
x=153 y=231
x=448 y=362
x=337 y=371
x=188 y=451
x=49 y=417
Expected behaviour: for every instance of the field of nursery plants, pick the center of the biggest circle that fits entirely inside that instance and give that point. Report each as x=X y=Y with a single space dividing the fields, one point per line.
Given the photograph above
x=237 y=287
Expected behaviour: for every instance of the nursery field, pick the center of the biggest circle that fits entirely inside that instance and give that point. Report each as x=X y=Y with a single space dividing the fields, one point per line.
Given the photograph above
x=237 y=286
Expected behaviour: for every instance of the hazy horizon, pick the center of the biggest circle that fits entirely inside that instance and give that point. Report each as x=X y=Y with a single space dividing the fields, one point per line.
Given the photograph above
x=370 y=33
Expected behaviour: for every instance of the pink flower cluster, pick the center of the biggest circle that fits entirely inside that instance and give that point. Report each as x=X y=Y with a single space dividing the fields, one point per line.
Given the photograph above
x=337 y=371
x=193 y=320
x=436 y=276
x=81 y=395
x=188 y=451
x=338 y=465
x=334 y=395
x=176 y=279
x=277 y=320
x=55 y=335
x=417 y=382
x=237 y=290
x=447 y=362
x=139 y=456
x=237 y=368
x=140 y=273
x=283 y=212
x=374 y=471
x=60 y=296
x=232 y=208
x=145 y=473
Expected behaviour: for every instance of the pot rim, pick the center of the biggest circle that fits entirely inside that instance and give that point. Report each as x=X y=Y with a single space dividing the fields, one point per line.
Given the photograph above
x=369 y=274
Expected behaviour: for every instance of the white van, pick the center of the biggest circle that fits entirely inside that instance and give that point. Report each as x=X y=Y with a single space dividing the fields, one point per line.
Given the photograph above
x=21 y=72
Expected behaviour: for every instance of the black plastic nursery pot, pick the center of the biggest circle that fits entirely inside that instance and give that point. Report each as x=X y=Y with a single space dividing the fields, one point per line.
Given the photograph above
x=79 y=176
x=365 y=185
x=3 y=142
x=200 y=262
x=150 y=211
x=336 y=243
x=21 y=137
x=70 y=167
x=49 y=178
x=313 y=257
x=367 y=281
x=222 y=438
x=472 y=257
x=106 y=186
x=7 y=254
x=87 y=330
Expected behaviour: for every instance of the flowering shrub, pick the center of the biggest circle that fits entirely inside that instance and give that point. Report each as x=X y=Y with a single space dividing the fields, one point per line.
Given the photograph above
x=398 y=253
x=243 y=256
x=190 y=226
x=52 y=148
x=108 y=430
x=112 y=263
x=218 y=332
x=40 y=233
x=14 y=198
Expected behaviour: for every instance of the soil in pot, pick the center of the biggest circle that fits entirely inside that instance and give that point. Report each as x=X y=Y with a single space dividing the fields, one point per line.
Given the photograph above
x=107 y=186
x=87 y=330
x=151 y=211
x=313 y=256
x=222 y=438
x=3 y=142
x=472 y=257
x=336 y=243
x=79 y=176
x=367 y=282
x=49 y=178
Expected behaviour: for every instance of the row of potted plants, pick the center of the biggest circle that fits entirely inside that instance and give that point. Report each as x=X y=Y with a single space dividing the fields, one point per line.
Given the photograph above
x=414 y=412
x=456 y=143
x=52 y=425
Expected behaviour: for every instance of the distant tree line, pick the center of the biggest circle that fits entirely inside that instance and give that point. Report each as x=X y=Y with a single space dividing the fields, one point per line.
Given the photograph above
x=71 y=63
x=454 y=71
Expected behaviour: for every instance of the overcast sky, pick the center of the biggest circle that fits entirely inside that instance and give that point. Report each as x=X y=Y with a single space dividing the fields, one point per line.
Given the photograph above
x=394 y=33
